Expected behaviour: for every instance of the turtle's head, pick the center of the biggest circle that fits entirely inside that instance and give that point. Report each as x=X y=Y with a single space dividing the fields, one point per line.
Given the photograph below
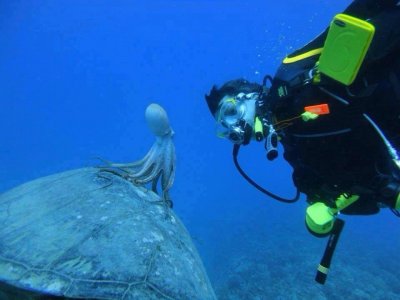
x=157 y=120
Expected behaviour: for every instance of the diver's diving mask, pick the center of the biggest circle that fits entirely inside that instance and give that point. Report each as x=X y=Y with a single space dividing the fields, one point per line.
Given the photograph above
x=235 y=117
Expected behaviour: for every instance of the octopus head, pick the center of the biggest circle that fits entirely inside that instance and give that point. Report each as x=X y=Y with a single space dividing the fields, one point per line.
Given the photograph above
x=157 y=120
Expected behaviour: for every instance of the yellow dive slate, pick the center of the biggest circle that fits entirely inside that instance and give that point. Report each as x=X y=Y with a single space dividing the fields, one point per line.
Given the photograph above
x=345 y=47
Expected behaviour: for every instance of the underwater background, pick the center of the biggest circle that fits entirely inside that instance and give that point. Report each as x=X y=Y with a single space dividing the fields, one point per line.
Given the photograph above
x=76 y=77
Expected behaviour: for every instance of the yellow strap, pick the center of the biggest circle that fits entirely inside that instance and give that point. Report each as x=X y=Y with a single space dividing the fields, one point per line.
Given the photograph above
x=289 y=60
x=323 y=269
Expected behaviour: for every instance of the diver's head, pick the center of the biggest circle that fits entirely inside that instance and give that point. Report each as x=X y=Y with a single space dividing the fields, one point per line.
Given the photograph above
x=233 y=107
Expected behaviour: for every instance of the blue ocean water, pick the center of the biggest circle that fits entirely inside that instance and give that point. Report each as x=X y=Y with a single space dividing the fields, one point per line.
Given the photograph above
x=76 y=77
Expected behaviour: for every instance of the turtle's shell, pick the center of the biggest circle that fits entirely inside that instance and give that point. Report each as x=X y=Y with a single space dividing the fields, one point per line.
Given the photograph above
x=91 y=234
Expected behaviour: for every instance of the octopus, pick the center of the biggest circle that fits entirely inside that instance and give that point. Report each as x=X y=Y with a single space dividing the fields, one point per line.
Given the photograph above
x=160 y=161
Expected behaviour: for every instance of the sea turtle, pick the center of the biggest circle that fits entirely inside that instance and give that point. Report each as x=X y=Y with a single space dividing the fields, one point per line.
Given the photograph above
x=91 y=234
x=94 y=233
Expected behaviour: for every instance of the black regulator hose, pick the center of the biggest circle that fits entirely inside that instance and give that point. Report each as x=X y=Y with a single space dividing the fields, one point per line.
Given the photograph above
x=235 y=153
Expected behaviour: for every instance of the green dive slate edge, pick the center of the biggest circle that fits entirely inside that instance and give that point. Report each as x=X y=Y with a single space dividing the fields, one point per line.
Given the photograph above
x=345 y=47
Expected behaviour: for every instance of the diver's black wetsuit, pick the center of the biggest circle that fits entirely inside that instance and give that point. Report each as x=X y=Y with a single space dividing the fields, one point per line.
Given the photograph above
x=341 y=152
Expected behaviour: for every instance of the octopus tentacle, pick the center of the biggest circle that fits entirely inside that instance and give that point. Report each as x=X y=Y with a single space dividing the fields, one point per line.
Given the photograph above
x=168 y=179
x=136 y=164
x=169 y=176
x=154 y=183
x=151 y=166
x=143 y=174
x=149 y=176
x=144 y=169
x=170 y=167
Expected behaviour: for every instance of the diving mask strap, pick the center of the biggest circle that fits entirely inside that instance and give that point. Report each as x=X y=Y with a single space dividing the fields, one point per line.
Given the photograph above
x=235 y=153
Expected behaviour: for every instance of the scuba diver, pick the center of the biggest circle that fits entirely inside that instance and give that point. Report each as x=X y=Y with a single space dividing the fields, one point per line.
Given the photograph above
x=334 y=105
